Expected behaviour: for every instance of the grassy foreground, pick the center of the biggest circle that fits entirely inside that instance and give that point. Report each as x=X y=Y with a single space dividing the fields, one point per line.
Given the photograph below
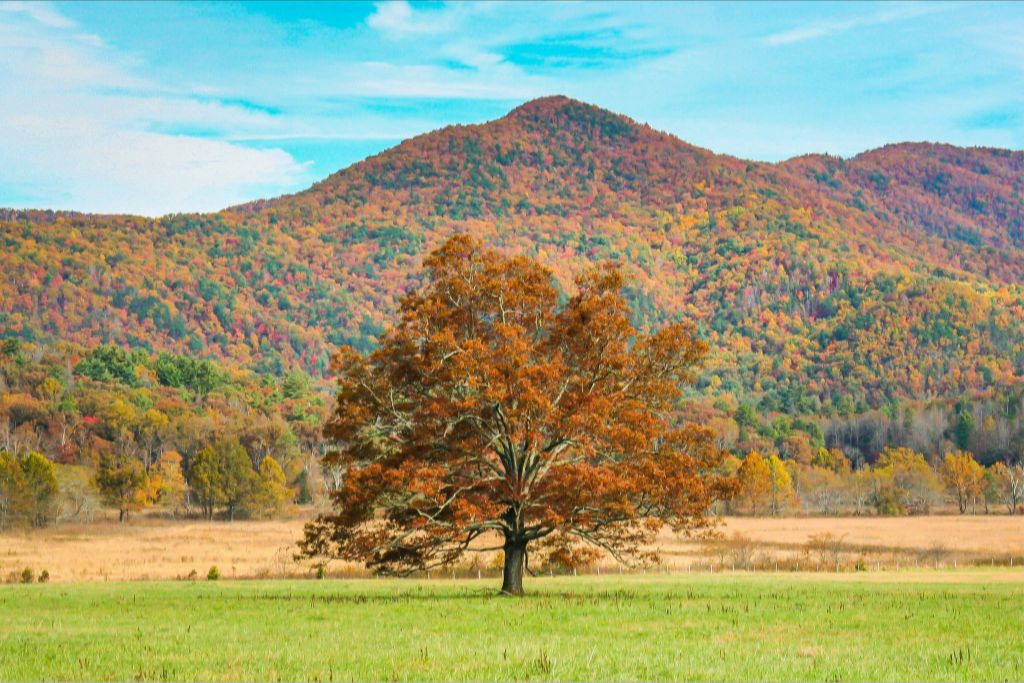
x=741 y=627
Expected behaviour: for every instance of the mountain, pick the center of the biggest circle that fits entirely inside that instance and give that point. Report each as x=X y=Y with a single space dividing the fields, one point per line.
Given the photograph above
x=822 y=284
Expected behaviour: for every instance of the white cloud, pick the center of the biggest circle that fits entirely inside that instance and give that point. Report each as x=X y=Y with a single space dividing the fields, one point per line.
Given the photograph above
x=86 y=133
x=397 y=17
x=103 y=171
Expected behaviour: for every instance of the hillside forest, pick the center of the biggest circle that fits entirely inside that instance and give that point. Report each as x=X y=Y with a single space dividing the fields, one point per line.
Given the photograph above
x=865 y=316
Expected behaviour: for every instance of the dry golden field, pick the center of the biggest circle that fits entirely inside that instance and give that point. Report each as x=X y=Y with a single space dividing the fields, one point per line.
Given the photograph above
x=153 y=548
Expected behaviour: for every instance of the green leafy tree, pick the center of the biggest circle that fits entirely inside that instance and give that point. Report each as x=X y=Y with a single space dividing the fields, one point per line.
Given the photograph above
x=110 y=363
x=41 y=489
x=122 y=481
x=13 y=501
x=204 y=480
x=222 y=474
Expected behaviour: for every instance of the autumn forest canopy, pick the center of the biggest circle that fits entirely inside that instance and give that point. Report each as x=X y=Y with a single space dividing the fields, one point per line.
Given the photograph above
x=863 y=318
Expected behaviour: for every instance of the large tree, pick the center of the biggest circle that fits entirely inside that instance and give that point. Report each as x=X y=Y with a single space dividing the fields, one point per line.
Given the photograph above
x=495 y=416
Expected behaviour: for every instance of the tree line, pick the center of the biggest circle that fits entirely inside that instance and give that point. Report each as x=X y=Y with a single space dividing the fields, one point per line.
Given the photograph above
x=82 y=429
x=900 y=482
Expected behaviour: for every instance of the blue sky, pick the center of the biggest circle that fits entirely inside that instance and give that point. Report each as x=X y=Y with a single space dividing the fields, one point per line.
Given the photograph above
x=157 y=107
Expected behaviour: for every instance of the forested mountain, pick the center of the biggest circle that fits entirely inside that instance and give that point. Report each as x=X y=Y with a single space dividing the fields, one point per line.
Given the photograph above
x=823 y=285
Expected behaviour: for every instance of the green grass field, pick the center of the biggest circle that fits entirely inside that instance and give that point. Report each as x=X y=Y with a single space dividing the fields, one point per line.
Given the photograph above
x=723 y=627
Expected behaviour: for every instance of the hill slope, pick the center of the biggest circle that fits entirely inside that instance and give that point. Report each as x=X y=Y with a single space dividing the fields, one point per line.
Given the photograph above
x=822 y=284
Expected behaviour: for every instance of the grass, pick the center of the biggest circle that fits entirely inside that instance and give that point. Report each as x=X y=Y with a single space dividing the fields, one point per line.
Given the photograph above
x=696 y=627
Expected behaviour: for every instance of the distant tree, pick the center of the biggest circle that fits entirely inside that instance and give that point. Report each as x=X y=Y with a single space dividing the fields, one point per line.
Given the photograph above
x=797 y=446
x=204 y=480
x=1009 y=483
x=13 y=498
x=820 y=489
x=831 y=459
x=964 y=429
x=755 y=482
x=905 y=482
x=121 y=480
x=41 y=489
x=781 y=492
x=963 y=477
x=270 y=493
x=222 y=474
x=198 y=376
x=491 y=409
x=295 y=384
x=110 y=364
x=166 y=482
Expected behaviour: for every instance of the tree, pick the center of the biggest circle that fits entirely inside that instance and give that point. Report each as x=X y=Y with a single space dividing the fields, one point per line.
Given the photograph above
x=755 y=481
x=121 y=480
x=110 y=363
x=271 y=492
x=238 y=480
x=41 y=488
x=963 y=476
x=1009 y=481
x=781 y=484
x=490 y=410
x=13 y=501
x=222 y=474
x=820 y=488
x=204 y=479
x=166 y=482
x=831 y=459
x=905 y=482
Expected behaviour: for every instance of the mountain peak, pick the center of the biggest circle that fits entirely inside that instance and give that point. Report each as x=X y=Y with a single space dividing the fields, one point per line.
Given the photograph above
x=545 y=105
x=558 y=112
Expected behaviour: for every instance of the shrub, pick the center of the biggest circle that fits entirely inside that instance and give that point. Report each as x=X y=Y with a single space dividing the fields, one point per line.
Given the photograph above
x=321 y=571
x=213 y=574
x=27 y=575
x=193 y=575
x=44 y=576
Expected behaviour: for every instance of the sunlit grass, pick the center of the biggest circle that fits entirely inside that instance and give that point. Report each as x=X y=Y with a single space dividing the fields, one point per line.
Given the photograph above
x=760 y=626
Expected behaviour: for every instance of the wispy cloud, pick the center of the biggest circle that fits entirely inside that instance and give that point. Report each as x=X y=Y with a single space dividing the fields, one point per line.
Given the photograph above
x=824 y=29
x=397 y=17
x=42 y=12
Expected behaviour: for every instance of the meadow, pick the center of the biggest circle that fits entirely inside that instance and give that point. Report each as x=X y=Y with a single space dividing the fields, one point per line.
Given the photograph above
x=150 y=548
x=746 y=626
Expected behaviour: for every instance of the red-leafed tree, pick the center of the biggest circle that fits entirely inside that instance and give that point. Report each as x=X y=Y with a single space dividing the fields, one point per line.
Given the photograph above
x=492 y=411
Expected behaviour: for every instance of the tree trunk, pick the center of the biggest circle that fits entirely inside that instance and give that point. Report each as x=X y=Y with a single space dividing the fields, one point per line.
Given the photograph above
x=122 y=515
x=515 y=560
